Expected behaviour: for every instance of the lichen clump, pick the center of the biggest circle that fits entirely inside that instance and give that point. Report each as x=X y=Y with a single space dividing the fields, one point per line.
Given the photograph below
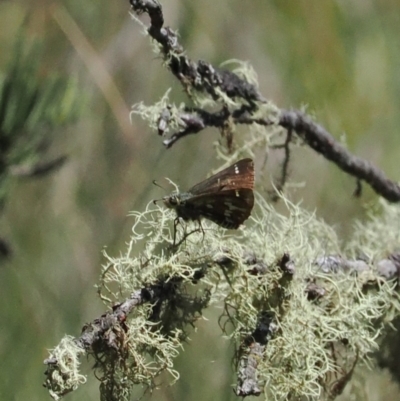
x=302 y=355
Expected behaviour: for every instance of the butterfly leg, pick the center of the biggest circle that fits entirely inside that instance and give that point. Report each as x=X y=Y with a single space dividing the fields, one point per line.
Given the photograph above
x=176 y=223
x=185 y=234
x=201 y=229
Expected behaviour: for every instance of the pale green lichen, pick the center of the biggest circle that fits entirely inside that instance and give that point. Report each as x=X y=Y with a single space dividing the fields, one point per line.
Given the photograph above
x=63 y=374
x=152 y=114
x=314 y=345
x=380 y=235
x=145 y=352
x=299 y=359
x=244 y=70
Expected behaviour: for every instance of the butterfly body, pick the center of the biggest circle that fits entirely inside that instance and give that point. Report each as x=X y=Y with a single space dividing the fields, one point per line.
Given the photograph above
x=225 y=198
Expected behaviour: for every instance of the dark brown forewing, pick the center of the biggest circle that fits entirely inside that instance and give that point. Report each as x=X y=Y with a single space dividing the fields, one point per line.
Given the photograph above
x=238 y=175
x=227 y=208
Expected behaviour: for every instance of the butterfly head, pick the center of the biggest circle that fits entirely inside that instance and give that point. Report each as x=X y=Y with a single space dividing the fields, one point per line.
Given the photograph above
x=172 y=201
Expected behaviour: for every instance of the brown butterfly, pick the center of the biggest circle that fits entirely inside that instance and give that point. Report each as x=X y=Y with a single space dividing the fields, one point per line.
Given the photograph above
x=226 y=198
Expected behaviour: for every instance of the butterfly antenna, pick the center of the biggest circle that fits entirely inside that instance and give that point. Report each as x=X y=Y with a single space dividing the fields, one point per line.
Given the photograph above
x=158 y=185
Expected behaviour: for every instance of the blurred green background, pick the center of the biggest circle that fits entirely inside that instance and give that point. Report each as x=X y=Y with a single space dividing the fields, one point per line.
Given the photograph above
x=340 y=58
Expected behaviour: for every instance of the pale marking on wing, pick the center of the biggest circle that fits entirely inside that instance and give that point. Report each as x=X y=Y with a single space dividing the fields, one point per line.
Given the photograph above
x=236 y=169
x=237 y=193
x=232 y=207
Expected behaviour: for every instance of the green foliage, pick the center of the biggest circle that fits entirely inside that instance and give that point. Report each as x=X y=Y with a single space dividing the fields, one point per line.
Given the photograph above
x=33 y=107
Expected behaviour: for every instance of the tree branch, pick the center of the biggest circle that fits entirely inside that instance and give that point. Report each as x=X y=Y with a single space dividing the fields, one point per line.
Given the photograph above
x=203 y=77
x=322 y=142
x=101 y=335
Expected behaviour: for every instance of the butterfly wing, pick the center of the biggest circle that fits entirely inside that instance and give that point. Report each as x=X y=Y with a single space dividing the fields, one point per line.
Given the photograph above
x=228 y=209
x=239 y=175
